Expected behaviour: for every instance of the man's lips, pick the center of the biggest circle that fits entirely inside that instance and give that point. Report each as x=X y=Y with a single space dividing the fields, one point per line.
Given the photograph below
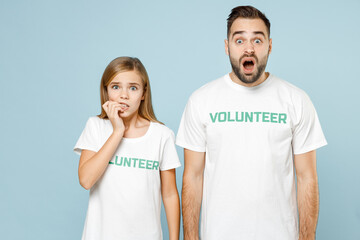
x=248 y=64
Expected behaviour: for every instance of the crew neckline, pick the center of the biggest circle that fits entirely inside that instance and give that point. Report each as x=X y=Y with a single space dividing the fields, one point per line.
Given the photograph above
x=239 y=87
x=136 y=139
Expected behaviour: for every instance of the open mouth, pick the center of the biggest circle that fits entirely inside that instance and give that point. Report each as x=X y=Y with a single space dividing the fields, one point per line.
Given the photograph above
x=248 y=64
x=124 y=106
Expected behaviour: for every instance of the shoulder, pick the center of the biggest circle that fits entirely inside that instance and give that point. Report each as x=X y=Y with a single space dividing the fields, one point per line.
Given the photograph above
x=162 y=130
x=299 y=102
x=208 y=89
x=98 y=123
x=96 y=120
x=288 y=89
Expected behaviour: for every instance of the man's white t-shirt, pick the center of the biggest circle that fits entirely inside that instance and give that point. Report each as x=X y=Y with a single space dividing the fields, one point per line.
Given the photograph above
x=125 y=203
x=249 y=135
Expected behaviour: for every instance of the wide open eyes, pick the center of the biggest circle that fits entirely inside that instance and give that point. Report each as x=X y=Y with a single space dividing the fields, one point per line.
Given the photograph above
x=132 y=88
x=257 y=41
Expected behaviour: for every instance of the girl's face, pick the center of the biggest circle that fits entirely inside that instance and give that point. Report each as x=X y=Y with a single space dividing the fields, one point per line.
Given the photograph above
x=127 y=89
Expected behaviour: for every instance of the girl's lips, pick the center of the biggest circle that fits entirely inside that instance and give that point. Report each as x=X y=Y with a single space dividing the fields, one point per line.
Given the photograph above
x=124 y=106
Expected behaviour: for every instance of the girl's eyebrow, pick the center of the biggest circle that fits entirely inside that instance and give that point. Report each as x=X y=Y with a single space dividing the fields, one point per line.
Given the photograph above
x=131 y=83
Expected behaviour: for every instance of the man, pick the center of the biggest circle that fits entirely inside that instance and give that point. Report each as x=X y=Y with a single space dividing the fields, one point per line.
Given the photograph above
x=243 y=135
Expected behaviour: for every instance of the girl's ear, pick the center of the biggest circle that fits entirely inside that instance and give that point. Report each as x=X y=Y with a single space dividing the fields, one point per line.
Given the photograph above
x=106 y=93
x=143 y=96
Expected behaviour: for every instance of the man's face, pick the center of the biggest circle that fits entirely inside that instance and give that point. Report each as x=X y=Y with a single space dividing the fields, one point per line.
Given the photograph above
x=248 y=47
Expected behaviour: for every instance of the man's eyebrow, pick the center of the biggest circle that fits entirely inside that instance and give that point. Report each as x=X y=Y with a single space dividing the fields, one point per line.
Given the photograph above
x=261 y=33
x=237 y=32
x=241 y=32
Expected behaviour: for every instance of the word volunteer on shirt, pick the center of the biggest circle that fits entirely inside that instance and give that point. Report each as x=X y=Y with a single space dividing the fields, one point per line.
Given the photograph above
x=135 y=163
x=248 y=117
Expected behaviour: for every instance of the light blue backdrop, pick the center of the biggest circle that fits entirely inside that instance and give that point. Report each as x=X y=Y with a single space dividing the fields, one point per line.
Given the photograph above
x=53 y=53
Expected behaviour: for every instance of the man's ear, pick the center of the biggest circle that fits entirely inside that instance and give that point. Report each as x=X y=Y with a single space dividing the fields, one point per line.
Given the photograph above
x=270 y=45
x=226 y=47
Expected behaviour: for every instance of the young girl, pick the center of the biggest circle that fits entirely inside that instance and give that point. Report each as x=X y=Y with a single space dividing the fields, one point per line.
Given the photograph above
x=128 y=159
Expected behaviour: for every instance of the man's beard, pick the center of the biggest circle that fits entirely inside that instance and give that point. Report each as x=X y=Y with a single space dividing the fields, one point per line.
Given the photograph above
x=260 y=68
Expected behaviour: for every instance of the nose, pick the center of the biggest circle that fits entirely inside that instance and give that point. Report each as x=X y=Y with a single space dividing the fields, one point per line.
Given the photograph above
x=124 y=94
x=249 y=49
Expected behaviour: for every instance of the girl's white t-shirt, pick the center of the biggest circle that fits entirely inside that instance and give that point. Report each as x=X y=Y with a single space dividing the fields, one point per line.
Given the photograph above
x=250 y=135
x=125 y=203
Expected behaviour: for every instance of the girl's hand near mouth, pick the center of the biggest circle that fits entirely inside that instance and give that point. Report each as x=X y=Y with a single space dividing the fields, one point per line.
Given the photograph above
x=113 y=110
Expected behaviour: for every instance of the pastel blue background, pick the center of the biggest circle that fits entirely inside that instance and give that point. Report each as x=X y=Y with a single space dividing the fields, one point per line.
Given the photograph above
x=52 y=56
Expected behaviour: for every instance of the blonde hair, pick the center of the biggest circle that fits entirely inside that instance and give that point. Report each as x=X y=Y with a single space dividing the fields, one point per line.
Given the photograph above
x=125 y=64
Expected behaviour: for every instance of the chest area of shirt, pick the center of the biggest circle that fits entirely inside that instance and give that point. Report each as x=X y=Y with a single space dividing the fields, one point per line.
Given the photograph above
x=261 y=123
x=140 y=156
x=256 y=117
x=127 y=161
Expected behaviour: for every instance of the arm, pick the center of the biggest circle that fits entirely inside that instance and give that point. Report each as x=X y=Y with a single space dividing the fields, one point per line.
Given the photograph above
x=92 y=165
x=192 y=192
x=307 y=194
x=171 y=201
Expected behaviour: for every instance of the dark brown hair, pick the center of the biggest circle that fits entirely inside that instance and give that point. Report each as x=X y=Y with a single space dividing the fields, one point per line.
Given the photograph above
x=125 y=64
x=246 y=12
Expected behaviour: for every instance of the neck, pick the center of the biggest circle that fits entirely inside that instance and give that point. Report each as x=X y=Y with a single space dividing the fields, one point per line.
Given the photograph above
x=262 y=78
x=131 y=121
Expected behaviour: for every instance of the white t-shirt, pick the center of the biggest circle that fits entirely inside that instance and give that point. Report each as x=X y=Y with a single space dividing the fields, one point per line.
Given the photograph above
x=125 y=203
x=249 y=135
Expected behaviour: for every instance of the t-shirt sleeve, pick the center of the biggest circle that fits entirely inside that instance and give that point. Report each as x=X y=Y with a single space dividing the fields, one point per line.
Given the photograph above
x=89 y=138
x=169 y=156
x=307 y=132
x=191 y=134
